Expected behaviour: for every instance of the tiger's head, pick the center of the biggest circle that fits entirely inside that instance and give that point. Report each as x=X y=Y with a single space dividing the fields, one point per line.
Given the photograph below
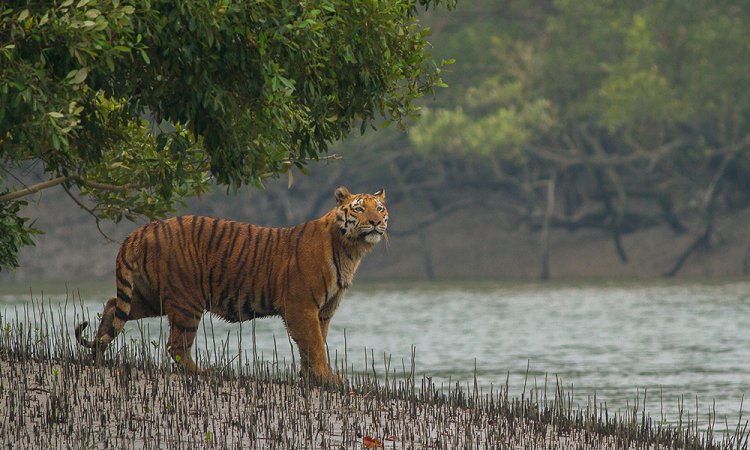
x=361 y=217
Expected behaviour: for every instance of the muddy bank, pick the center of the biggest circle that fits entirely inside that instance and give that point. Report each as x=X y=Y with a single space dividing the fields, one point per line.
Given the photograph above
x=54 y=396
x=53 y=404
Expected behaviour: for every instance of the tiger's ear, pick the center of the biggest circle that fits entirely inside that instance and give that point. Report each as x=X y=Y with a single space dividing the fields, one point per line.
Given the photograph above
x=380 y=194
x=342 y=195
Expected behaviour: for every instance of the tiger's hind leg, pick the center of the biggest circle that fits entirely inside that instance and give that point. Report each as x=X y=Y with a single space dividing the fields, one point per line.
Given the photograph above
x=183 y=326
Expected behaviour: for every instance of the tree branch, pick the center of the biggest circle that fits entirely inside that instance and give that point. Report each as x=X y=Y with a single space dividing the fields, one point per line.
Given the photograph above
x=570 y=161
x=33 y=189
x=566 y=159
x=708 y=205
x=619 y=207
x=105 y=186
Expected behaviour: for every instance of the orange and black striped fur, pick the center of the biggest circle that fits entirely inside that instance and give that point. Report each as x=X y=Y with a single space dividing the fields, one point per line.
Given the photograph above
x=184 y=266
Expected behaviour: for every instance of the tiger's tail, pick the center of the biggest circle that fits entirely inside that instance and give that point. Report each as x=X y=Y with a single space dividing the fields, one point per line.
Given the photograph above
x=108 y=328
x=80 y=339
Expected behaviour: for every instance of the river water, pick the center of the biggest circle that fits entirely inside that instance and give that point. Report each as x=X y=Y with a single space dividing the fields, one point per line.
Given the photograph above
x=679 y=344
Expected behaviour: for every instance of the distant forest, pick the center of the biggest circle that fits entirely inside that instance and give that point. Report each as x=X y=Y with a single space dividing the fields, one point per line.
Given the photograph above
x=611 y=115
x=611 y=135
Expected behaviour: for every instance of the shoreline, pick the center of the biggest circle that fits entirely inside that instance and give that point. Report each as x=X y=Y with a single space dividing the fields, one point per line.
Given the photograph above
x=55 y=397
x=53 y=402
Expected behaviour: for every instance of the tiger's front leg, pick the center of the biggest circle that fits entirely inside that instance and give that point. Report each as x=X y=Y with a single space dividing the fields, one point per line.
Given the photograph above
x=305 y=329
x=324 y=324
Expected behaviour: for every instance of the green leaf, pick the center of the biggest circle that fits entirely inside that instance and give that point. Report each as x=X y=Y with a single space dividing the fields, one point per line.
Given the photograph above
x=79 y=75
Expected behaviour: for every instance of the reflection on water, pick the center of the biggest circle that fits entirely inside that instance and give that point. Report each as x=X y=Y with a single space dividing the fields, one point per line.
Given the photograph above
x=676 y=343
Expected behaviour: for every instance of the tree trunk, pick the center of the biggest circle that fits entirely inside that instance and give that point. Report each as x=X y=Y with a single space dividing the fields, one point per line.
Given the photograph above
x=545 y=229
x=708 y=206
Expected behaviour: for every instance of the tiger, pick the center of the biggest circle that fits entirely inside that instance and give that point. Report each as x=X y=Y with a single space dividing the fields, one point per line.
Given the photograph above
x=185 y=266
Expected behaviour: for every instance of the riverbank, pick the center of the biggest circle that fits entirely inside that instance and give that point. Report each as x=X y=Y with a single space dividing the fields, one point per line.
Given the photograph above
x=54 y=404
x=55 y=398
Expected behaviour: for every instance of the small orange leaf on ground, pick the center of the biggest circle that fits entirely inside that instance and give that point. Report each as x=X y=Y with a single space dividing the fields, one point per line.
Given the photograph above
x=371 y=442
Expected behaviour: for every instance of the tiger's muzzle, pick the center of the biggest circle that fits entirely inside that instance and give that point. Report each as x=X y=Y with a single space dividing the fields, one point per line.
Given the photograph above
x=372 y=234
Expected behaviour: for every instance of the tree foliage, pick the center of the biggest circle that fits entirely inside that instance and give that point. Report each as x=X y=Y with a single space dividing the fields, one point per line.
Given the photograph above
x=637 y=112
x=133 y=106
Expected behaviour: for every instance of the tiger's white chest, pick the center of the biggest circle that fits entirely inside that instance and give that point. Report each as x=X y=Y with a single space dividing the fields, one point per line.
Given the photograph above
x=342 y=269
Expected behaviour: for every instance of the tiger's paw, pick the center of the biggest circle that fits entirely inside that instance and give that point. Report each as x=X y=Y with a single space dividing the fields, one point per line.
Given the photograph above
x=334 y=379
x=329 y=379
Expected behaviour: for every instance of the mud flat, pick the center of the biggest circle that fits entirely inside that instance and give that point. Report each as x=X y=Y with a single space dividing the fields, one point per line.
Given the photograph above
x=54 y=397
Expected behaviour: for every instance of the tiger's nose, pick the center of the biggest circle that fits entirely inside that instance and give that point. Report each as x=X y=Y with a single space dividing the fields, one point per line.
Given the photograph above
x=374 y=223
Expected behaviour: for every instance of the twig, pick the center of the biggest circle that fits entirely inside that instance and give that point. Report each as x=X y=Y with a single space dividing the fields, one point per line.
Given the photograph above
x=13 y=175
x=91 y=212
